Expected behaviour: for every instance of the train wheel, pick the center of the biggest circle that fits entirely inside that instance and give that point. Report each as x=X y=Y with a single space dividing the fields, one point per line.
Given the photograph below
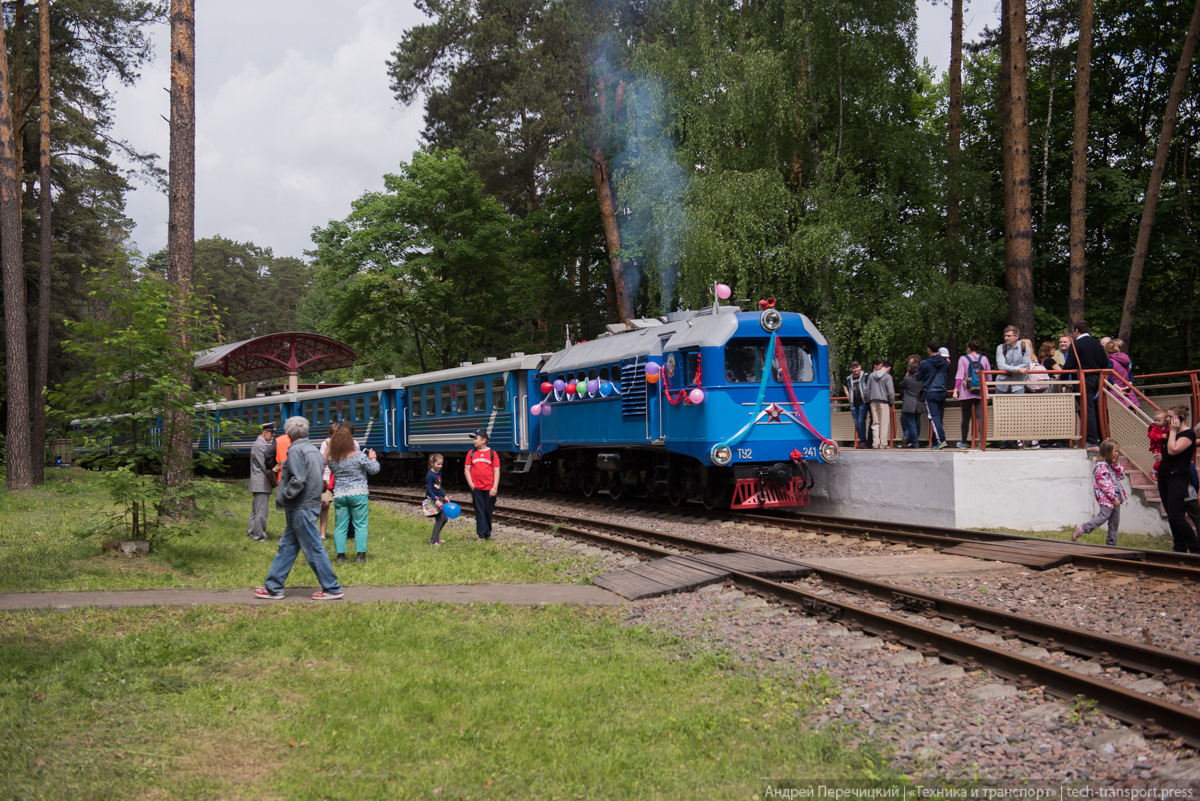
x=588 y=486
x=676 y=494
x=715 y=492
x=615 y=486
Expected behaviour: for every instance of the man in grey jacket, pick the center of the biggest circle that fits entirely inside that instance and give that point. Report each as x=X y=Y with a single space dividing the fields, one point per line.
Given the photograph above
x=299 y=497
x=260 y=483
x=880 y=393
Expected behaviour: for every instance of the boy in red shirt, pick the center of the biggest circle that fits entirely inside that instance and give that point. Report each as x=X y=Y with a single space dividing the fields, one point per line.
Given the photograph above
x=482 y=469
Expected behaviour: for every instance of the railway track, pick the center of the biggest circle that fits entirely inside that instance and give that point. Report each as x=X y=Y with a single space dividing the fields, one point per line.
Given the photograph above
x=927 y=622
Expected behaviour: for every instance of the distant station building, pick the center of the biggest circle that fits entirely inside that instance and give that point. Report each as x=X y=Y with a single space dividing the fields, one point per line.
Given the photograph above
x=274 y=356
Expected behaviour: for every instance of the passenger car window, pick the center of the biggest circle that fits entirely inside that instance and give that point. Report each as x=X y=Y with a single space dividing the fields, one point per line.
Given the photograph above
x=320 y=413
x=374 y=408
x=498 y=399
x=360 y=410
x=416 y=403
x=430 y=401
x=447 y=401
x=461 y=392
x=480 y=396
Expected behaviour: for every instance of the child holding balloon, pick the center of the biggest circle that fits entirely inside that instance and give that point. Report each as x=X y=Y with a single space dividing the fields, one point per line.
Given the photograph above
x=435 y=496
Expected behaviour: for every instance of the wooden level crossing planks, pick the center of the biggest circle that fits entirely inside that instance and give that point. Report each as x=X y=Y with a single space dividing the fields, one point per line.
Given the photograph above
x=1077 y=549
x=1007 y=552
x=758 y=565
x=683 y=574
x=660 y=577
x=1038 y=554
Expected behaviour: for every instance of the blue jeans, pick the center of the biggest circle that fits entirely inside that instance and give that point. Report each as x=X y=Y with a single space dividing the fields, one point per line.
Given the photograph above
x=911 y=423
x=859 y=413
x=301 y=533
x=935 y=406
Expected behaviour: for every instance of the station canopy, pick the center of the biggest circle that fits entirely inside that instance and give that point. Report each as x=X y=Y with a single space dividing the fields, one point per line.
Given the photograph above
x=276 y=356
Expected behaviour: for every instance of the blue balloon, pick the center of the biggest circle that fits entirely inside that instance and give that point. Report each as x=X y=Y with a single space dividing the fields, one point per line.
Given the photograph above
x=605 y=388
x=451 y=509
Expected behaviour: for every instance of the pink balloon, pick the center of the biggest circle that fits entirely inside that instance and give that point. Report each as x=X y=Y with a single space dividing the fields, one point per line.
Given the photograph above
x=535 y=409
x=696 y=395
x=723 y=291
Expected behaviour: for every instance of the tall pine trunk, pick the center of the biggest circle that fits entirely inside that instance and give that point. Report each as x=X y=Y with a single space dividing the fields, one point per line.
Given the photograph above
x=1018 y=213
x=42 y=360
x=19 y=464
x=954 y=179
x=608 y=206
x=181 y=239
x=1156 y=176
x=1083 y=91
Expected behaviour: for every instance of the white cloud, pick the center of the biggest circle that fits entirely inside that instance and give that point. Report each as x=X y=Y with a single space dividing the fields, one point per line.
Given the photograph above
x=290 y=126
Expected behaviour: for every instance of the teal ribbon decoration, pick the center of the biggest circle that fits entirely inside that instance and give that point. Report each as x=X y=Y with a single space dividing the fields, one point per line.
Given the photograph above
x=762 y=392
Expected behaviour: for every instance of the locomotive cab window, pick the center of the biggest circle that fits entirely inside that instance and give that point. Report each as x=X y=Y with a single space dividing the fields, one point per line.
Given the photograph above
x=744 y=361
x=498 y=394
x=480 y=396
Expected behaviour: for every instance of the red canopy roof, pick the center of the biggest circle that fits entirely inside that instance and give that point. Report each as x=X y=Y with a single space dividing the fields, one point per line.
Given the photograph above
x=276 y=356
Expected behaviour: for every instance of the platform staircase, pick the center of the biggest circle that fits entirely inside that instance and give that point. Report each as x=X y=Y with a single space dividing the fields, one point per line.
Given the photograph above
x=1143 y=486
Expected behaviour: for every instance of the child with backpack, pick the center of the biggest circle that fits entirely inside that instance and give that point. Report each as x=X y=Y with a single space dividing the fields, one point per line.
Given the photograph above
x=968 y=387
x=1106 y=483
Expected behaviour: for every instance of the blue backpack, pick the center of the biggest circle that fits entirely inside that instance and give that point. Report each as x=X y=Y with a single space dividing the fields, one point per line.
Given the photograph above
x=972 y=381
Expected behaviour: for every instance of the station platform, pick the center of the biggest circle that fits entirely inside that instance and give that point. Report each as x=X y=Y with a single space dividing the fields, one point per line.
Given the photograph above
x=1022 y=490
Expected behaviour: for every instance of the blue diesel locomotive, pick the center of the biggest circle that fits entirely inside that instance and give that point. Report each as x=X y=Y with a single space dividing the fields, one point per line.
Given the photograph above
x=721 y=406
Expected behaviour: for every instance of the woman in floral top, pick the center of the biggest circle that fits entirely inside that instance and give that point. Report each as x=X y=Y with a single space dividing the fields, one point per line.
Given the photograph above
x=350 y=469
x=1106 y=482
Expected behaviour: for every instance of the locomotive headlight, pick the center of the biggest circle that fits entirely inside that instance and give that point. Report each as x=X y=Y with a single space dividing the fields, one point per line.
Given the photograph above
x=721 y=455
x=770 y=320
x=830 y=451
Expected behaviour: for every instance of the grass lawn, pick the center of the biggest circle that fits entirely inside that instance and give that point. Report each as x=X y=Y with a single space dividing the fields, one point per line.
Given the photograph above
x=40 y=552
x=394 y=701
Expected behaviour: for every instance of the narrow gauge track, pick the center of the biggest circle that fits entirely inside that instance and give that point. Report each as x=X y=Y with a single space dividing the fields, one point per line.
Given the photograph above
x=1142 y=563
x=1152 y=716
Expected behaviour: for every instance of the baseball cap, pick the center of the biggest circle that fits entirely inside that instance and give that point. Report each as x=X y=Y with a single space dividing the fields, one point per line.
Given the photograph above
x=479 y=432
x=944 y=353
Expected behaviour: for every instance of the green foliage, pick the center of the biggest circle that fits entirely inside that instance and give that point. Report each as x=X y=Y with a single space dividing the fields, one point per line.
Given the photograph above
x=422 y=268
x=138 y=369
x=247 y=291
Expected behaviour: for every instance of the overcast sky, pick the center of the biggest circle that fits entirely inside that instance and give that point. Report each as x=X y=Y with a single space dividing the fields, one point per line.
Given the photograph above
x=294 y=118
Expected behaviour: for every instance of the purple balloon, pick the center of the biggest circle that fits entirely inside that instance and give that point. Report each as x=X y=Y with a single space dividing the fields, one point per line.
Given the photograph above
x=546 y=409
x=593 y=386
x=560 y=385
x=651 y=368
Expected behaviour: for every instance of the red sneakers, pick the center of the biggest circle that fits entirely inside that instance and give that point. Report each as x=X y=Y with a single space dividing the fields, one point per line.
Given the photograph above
x=327 y=596
x=265 y=594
